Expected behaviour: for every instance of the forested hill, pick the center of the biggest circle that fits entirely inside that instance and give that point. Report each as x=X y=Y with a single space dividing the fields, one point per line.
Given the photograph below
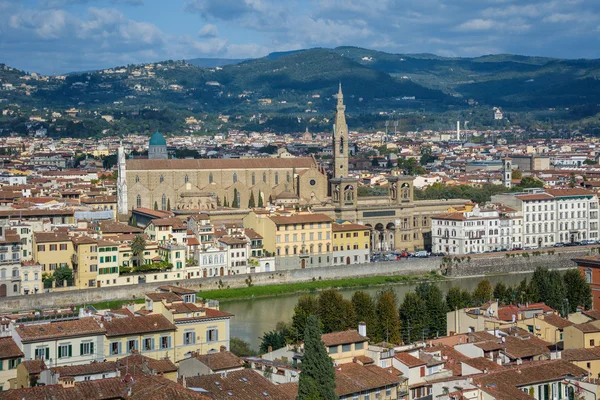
x=305 y=80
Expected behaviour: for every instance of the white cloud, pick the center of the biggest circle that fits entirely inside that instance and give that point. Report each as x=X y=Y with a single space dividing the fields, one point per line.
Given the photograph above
x=477 y=25
x=208 y=30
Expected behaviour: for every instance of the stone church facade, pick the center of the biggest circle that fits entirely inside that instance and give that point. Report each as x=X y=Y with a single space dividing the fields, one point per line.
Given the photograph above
x=187 y=186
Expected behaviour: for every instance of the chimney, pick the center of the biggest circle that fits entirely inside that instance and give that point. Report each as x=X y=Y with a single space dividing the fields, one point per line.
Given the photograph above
x=362 y=329
x=222 y=349
x=270 y=349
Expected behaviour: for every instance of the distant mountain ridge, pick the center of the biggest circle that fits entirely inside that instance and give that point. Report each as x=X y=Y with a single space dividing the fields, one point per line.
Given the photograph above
x=214 y=62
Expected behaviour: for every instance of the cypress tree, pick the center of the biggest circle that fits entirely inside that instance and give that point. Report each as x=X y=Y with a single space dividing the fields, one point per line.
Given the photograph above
x=436 y=308
x=235 y=203
x=225 y=203
x=388 y=327
x=168 y=204
x=317 y=379
x=155 y=206
x=413 y=315
x=260 y=200
x=251 y=203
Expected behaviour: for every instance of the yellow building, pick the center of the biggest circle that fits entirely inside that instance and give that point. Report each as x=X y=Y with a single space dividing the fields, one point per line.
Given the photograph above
x=151 y=335
x=85 y=262
x=588 y=359
x=548 y=327
x=127 y=258
x=197 y=326
x=108 y=263
x=52 y=250
x=345 y=345
x=351 y=243
x=302 y=240
x=10 y=358
x=578 y=336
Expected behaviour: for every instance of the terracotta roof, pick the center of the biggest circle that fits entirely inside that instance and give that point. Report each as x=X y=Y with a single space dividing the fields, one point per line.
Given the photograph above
x=49 y=237
x=174 y=222
x=138 y=325
x=588 y=327
x=138 y=364
x=506 y=313
x=589 y=354
x=99 y=200
x=223 y=360
x=34 y=213
x=524 y=345
x=534 y=197
x=408 y=360
x=167 y=296
x=557 y=321
x=151 y=387
x=60 y=329
x=153 y=213
x=232 y=240
x=482 y=364
x=569 y=192
x=593 y=314
x=245 y=384
x=117 y=227
x=209 y=313
x=348 y=227
x=86 y=369
x=355 y=378
x=343 y=337
x=9 y=349
x=34 y=366
x=220 y=163
x=176 y=289
x=300 y=219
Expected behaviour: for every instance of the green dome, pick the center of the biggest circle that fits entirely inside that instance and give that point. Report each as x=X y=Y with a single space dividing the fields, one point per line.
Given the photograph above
x=157 y=140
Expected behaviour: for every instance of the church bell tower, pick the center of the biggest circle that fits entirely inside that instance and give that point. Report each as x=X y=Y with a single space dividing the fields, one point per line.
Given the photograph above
x=340 y=139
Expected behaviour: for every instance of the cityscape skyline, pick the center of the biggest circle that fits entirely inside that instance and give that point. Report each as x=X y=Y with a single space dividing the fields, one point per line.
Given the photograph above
x=61 y=36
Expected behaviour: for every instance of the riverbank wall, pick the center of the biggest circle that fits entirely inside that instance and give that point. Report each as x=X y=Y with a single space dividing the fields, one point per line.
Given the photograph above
x=453 y=267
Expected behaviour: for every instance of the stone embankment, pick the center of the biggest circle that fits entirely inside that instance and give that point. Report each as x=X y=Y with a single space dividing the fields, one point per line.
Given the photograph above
x=453 y=267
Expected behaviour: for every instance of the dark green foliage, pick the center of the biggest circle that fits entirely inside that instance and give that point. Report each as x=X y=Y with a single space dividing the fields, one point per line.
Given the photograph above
x=260 y=200
x=530 y=182
x=235 y=203
x=241 y=348
x=426 y=155
x=414 y=319
x=524 y=293
x=251 y=202
x=155 y=206
x=307 y=305
x=138 y=245
x=62 y=274
x=479 y=195
x=457 y=298
x=547 y=286
x=317 y=379
x=388 y=321
x=482 y=293
x=435 y=322
x=364 y=309
x=168 y=204
x=578 y=290
x=503 y=294
x=334 y=312
x=276 y=339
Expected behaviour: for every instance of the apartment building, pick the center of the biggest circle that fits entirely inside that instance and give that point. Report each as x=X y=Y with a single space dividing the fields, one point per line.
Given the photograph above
x=351 y=243
x=10 y=262
x=555 y=215
x=301 y=240
x=476 y=231
x=10 y=358
x=52 y=250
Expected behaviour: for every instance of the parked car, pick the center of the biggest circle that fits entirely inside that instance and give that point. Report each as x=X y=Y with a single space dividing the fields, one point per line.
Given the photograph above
x=559 y=244
x=587 y=242
x=422 y=254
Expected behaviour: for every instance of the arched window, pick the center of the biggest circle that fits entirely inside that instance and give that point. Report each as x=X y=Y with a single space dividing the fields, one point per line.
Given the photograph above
x=210 y=259
x=264 y=177
x=341 y=145
x=287 y=177
x=222 y=258
x=277 y=178
x=163 y=202
x=234 y=177
x=15 y=289
x=186 y=179
x=253 y=179
x=210 y=178
x=162 y=179
x=137 y=179
x=204 y=259
x=138 y=201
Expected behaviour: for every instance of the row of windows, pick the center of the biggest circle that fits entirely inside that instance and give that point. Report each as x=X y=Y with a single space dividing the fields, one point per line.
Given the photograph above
x=112 y=270
x=108 y=259
x=295 y=249
x=186 y=179
x=348 y=234
x=103 y=249
x=11 y=364
x=311 y=236
x=52 y=247
x=65 y=350
x=302 y=227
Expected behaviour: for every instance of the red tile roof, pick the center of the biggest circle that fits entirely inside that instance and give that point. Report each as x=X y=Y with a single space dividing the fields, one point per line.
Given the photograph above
x=61 y=329
x=138 y=325
x=343 y=337
x=408 y=360
x=9 y=349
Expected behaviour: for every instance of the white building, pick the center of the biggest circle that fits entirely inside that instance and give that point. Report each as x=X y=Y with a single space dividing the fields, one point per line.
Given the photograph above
x=555 y=215
x=477 y=231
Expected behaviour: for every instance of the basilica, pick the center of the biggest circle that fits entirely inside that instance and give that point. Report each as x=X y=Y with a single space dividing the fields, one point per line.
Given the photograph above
x=213 y=186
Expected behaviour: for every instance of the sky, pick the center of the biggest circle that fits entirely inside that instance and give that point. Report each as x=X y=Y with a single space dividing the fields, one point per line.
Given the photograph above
x=59 y=36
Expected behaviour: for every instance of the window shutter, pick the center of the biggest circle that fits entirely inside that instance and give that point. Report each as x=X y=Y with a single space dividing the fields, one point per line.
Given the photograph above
x=169 y=342
x=137 y=347
x=70 y=350
x=193 y=337
x=208 y=336
x=59 y=351
x=216 y=335
x=152 y=344
x=119 y=348
x=81 y=349
x=1 y=364
x=92 y=348
x=47 y=353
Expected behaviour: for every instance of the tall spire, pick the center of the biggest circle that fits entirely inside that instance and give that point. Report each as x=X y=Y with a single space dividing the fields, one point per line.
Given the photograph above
x=340 y=138
x=340 y=96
